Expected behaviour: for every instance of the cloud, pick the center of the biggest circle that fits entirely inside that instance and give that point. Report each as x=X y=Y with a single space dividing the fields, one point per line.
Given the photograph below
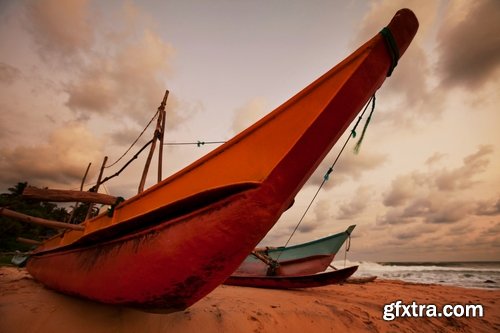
x=488 y=208
x=61 y=29
x=316 y=218
x=434 y=196
x=469 y=43
x=435 y=208
x=403 y=188
x=415 y=232
x=349 y=165
x=493 y=230
x=435 y=158
x=108 y=70
x=450 y=211
x=463 y=177
x=59 y=162
x=359 y=202
x=395 y=216
x=249 y=114
x=128 y=79
x=8 y=74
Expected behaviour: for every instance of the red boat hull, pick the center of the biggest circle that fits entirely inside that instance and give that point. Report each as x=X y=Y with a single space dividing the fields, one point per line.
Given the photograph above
x=166 y=267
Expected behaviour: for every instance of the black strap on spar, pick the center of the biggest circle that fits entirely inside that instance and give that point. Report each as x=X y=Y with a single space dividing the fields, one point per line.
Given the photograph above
x=392 y=47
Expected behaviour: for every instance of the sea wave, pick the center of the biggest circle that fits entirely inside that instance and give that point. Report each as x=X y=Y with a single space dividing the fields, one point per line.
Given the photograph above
x=464 y=274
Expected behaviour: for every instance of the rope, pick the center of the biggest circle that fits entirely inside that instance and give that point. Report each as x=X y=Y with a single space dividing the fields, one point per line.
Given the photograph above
x=197 y=143
x=126 y=164
x=347 y=247
x=135 y=141
x=358 y=144
x=327 y=174
x=392 y=47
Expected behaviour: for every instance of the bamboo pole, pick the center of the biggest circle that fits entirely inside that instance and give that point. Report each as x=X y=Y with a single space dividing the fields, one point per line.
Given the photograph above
x=28 y=241
x=54 y=195
x=266 y=259
x=162 y=136
x=96 y=187
x=81 y=189
x=157 y=134
x=40 y=221
x=85 y=176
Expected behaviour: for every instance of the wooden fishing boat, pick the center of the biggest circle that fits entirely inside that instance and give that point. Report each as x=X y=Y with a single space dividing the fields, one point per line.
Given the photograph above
x=301 y=259
x=172 y=244
x=292 y=282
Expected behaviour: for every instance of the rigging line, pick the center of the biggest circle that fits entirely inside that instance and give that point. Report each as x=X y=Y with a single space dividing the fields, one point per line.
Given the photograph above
x=198 y=143
x=126 y=164
x=135 y=141
x=347 y=248
x=325 y=178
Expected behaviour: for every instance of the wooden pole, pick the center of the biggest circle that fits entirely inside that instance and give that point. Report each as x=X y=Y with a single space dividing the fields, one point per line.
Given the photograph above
x=85 y=176
x=96 y=187
x=28 y=241
x=153 y=144
x=81 y=189
x=53 y=195
x=37 y=220
x=162 y=135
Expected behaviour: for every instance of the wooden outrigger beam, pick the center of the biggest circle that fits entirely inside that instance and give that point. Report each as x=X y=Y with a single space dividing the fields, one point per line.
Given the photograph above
x=28 y=241
x=266 y=259
x=31 y=192
x=37 y=220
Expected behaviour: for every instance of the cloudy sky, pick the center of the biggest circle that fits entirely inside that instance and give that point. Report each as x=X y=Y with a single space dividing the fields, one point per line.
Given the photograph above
x=80 y=80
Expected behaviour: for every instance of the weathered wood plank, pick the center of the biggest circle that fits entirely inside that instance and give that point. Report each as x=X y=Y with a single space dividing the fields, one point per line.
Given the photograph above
x=31 y=192
x=37 y=220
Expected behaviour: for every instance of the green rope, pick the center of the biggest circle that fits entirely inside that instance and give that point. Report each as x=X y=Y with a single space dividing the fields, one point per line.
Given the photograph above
x=330 y=169
x=353 y=135
x=392 y=47
x=111 y=210
x=358 y=144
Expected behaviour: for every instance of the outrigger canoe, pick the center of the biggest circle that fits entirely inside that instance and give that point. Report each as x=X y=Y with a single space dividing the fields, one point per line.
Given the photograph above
x=292 y=282
x=169 y=246
x=301 y=259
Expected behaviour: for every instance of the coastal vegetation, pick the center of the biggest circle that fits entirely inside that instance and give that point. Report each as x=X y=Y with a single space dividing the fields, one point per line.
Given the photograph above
x=11 y=230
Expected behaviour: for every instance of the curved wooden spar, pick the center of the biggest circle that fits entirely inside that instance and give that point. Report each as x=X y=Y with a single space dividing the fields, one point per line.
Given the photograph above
x=172 y=244
x=40 y=221
x=55 y=195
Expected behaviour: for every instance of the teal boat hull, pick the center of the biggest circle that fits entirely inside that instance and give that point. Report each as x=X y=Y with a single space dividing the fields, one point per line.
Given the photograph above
x=306 y=258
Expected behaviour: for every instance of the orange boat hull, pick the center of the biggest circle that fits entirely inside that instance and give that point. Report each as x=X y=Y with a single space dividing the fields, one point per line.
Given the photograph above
x=169 y=246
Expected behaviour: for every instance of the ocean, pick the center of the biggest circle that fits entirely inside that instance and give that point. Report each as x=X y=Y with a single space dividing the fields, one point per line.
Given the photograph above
x=482 y=274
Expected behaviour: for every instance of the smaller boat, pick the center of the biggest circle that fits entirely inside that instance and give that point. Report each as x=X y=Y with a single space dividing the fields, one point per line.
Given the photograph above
x=292 y=282
x=301 y=259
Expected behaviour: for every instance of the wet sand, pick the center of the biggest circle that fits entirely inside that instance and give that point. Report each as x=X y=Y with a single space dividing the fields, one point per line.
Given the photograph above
x=27 y=306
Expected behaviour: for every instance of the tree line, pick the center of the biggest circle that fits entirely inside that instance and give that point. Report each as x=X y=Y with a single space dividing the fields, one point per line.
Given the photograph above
x=11 y=229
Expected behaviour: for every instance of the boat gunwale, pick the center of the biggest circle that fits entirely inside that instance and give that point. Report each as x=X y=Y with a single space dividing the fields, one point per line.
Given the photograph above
x=324 y=239
x=141 y=230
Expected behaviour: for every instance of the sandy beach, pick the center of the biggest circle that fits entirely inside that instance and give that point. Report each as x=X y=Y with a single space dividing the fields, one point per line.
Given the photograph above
x=27 y=306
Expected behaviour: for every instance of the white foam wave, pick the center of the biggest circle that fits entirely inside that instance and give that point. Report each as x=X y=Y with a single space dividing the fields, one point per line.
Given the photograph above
x=460 y=274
